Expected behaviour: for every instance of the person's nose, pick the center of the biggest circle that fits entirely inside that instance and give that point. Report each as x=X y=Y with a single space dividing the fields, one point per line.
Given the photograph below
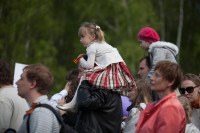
x=17 y=82
x=138 y=72
x=186 y=93
x=152 y=78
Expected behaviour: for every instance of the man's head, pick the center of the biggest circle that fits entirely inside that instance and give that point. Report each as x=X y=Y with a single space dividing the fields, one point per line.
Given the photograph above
x=6 y=77
x=144 y=67
x=35 y=76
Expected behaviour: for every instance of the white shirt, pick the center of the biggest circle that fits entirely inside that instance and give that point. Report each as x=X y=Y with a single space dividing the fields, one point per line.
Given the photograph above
x=102 y=54
x=132 y=119
x=190 y=128
x=57 y=97
x=195 y=117
x=12 y=109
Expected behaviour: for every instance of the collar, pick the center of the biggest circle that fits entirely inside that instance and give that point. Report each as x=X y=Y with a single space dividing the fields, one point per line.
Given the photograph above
x=195 y=104
x=40 y=99
x=162 y=44
x=155 y=105
x=32 y=108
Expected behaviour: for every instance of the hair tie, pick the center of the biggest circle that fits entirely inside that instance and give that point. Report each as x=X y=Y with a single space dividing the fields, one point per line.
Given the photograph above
x=97 y=27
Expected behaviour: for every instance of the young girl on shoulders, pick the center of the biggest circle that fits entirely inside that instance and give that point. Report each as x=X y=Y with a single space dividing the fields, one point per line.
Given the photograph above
x=110 y=71
x=104 y=67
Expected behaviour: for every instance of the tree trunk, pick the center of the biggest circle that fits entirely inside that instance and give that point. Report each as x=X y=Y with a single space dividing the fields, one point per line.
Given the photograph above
x=180 y=27
x=162 y=16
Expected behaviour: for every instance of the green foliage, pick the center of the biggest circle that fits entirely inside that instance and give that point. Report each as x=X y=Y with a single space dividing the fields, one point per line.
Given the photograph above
x=46 y=31
x=131 y=53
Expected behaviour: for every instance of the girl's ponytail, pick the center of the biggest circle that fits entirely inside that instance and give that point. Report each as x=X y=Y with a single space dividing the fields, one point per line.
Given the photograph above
x=99 y=34
x=92 y=28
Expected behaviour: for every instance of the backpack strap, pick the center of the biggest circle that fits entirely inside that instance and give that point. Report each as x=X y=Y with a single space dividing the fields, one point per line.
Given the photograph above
x=50 y=108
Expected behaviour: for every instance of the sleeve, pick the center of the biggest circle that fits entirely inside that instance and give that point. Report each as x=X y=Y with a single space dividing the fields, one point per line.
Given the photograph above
x=87 y=99
x=91 y=52
x=5 y=113
x=157 y=55
x=42 y=120
x=58 y=96
x=168 y=121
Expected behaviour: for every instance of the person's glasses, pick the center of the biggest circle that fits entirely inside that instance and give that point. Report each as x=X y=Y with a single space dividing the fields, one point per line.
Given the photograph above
x=188 y=89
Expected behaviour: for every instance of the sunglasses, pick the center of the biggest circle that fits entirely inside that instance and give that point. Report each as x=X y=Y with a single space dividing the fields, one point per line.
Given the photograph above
x=188 y=89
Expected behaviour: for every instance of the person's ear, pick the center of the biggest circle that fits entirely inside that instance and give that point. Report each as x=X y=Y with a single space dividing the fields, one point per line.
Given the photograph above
x=33 y=84
x=171 y=83
x=93 y=36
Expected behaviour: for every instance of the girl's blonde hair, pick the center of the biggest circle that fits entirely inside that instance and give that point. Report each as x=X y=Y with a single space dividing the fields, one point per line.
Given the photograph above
x=186 y=105
x=143 y=91
x=91 y=28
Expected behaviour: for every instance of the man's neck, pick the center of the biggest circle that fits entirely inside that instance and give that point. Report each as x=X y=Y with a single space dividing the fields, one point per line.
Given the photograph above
x=31 y=99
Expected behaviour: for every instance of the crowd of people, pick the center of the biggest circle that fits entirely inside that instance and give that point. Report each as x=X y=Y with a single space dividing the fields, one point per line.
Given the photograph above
x=162 y=99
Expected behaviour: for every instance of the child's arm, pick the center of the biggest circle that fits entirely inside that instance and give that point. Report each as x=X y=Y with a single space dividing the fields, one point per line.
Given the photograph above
x=90 y=61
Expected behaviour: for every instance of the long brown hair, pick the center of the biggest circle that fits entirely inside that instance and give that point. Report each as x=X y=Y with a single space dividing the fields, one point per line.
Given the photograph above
x=73 y=79
x=143 y=92
x=186 y=105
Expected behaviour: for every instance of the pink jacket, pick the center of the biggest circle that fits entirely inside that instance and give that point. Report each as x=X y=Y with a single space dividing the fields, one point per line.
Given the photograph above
x=166 y=116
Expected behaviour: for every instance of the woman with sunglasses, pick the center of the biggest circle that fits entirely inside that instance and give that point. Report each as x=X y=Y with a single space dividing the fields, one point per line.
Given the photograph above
x=190 y=87
x=166 y=114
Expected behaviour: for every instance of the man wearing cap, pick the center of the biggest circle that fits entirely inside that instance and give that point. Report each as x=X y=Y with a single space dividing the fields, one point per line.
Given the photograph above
x=157 y=50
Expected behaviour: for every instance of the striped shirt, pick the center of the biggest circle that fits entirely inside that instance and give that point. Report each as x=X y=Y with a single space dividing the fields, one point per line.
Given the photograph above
x=42 y=120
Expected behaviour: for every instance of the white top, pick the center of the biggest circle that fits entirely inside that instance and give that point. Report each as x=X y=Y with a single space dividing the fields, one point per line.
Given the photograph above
x=12 y=109
x=102 y=54
x=57 y=97
x=195 y=117
x=132 y=119
x=190 y=128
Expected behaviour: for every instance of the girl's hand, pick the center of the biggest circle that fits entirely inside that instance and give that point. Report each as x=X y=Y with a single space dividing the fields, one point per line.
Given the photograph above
x=80 y=55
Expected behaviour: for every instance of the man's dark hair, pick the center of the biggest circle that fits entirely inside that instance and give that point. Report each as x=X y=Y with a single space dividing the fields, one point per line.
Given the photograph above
x=147 y=58
x=6 y=77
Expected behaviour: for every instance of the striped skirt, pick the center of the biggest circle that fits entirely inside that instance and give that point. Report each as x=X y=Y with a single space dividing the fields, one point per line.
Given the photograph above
x=115 y=76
